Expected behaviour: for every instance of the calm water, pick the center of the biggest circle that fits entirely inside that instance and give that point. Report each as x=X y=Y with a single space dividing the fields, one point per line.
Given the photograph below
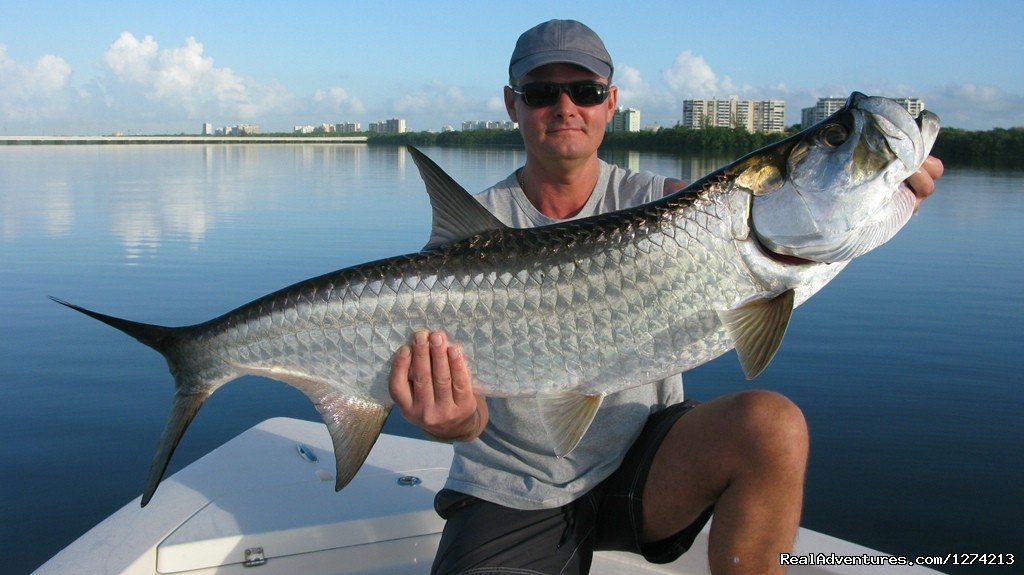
x=908 y=366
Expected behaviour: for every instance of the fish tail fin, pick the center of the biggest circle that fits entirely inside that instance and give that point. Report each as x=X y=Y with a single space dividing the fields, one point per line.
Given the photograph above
x=183 y=411
x=194 y=382
x=155 y=336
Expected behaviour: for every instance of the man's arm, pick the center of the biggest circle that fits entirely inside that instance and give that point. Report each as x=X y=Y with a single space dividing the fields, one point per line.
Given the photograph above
x=431 y=383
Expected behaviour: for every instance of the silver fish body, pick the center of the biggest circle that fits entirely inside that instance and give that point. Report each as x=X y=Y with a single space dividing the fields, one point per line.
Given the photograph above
x=572 y=312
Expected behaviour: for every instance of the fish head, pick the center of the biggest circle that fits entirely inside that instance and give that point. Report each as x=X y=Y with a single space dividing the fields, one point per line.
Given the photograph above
x=841 y=192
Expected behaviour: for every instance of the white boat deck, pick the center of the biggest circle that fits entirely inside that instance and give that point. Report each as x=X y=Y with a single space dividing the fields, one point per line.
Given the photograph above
x=257 y=506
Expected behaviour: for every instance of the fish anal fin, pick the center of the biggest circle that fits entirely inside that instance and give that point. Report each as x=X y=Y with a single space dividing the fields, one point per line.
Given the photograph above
x=757 y=329
x=183 y=411
x=567 y=415
x=354 y=424
x=353 y=418
x=456 y=214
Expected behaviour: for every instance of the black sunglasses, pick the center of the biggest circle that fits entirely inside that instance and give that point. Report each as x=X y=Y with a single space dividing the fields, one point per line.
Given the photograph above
x=543 y=94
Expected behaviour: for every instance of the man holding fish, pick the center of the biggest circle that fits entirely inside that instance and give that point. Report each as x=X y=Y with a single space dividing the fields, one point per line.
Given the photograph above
x=652 y=468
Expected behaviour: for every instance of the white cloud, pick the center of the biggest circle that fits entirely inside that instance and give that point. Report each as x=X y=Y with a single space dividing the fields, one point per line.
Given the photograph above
x=183 y=80
x=436 y=96
x=437 y=104
x=336 y=100
x=496 y=103
x=32 y=91
x=633 y=89
x=656 y=103
x=976 y=106
x=983 y=98
x=690 y=76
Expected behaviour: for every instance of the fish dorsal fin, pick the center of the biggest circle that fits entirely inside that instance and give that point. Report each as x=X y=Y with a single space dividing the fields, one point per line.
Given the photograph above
x=457 y=215
x=567 y=415
x=757 y=328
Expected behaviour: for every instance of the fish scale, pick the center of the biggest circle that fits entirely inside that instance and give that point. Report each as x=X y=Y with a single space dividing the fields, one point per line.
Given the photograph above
x=571 y=312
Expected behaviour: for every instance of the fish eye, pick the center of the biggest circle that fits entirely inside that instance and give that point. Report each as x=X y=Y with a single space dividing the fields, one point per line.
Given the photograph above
x=834 y=135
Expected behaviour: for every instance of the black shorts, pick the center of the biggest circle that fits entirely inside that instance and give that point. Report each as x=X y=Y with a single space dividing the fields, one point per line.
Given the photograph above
x=482 y=537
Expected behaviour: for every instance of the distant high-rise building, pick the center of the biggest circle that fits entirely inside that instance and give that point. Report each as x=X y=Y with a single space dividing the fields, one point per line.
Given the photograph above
x=471 y=125
x=818 y=112
x=828 y=106
x=913 y=105
x=245 y=130
x=348 y=127
x=392 y=126
x=625 y=120
x=752 y=115
x=207 y=129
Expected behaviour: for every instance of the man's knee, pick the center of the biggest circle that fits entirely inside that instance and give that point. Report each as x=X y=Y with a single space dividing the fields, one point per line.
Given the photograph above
x=770 y=427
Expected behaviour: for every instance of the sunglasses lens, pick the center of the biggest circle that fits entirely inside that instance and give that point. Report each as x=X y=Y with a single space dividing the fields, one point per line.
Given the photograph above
x=543 y=94
x=588 y=94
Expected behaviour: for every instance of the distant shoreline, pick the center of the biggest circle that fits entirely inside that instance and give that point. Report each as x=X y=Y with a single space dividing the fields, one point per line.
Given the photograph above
x=998 y=147
x=122 y=140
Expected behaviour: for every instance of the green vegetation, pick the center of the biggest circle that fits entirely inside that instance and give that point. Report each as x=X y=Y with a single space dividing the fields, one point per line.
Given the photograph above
x=1002 y=147
x=470 y=139
x=712 y=140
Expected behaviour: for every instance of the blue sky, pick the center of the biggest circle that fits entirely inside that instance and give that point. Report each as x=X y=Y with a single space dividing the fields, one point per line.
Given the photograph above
x=167 y=67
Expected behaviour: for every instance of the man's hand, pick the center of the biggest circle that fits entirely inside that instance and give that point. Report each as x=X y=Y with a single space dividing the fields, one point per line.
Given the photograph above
x=431 y=383
x=923 y=181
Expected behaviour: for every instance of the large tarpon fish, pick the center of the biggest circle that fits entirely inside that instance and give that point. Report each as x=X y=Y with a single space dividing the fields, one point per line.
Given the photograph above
x=569 y=313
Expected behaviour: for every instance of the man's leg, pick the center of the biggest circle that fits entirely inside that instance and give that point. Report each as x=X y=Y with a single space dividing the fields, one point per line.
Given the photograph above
x=746 y=454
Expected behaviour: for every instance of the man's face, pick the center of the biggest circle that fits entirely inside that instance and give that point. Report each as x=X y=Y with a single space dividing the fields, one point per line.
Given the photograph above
x=563 y=130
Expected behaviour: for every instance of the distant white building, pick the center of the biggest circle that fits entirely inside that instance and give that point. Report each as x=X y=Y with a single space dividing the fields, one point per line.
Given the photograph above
x=302 y=130
x=752 y=115
x=392 y=126
x=207 y=129
x=625 y=120
x=488 y=125
x=348 y=127
x=913 y=105
x=830 y=105
x=818 y=112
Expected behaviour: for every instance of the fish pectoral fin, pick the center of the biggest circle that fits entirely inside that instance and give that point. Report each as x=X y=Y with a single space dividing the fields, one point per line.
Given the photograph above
x=757 y=329
x=567 y=415
x=456 y=214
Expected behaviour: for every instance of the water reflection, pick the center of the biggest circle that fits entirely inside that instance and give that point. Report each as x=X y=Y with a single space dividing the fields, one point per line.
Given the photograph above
x=687 y=167
x=145 y=196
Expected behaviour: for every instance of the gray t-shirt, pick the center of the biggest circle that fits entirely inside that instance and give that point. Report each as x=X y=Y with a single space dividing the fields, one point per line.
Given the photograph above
x=511 y=463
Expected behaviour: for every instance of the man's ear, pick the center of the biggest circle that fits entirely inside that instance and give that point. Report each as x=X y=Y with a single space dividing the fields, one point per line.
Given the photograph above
x=510 y=104
x=612 y=101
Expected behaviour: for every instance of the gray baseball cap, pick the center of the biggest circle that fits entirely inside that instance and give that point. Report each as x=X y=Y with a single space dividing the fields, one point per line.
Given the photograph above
x=563 y=42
